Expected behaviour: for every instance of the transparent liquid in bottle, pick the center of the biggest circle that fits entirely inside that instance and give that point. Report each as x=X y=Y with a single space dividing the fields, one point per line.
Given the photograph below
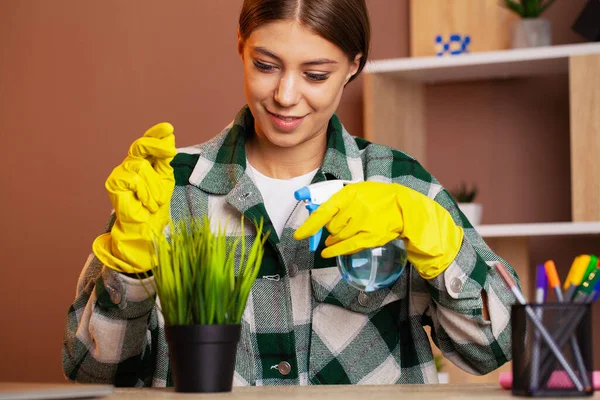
x=376 y=268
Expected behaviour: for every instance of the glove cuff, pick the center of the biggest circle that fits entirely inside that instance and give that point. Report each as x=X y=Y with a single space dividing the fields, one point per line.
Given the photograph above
x=434 y=267
x=102 y=248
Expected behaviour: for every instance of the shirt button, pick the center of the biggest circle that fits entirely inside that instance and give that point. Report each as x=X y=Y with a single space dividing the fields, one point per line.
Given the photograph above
x=244 y=196
x=284 y=368
x=293 y=270
x=363 y=299
x=115 y=295
x=456 y=285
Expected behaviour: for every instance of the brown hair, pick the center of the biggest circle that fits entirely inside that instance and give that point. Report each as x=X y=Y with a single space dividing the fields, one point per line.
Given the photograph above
x=344 y=23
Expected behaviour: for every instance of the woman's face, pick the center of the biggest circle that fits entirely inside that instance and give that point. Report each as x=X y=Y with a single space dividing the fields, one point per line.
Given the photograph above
x=293 y=81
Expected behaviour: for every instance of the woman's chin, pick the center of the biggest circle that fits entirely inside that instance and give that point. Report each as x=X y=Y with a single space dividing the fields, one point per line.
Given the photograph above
x=283 y=140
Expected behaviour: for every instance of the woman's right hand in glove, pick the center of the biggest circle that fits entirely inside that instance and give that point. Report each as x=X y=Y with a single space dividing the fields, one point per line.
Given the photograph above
x=140 y=190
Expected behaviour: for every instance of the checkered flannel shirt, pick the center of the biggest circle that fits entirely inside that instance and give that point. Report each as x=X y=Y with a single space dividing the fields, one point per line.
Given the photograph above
x=300 y=310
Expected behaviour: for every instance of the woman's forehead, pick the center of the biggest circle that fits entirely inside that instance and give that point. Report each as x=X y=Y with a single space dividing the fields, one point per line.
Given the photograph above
x=291 y=41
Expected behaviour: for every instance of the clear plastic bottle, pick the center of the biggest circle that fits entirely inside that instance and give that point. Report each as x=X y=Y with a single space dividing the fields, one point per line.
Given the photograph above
x=373 y=269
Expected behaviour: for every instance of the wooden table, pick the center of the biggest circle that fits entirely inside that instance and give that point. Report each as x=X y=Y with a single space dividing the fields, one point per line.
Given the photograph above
x=477 y=391
x=346 y=392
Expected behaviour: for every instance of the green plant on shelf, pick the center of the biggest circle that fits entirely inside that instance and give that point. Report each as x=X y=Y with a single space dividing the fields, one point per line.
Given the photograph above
x=196 y=279
x=527 y=8
x=464 y=194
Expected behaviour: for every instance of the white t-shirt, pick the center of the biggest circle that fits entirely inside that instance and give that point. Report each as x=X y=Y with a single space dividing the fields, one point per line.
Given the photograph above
x=278 y=194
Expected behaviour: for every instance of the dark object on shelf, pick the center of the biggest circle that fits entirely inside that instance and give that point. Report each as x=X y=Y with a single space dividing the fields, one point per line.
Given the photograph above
x=588 y=21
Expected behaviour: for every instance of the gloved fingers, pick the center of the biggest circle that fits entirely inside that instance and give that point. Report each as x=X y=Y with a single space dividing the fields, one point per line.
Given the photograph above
x=366 y=239
x=353 y=226
x=153 y=148
x=143 y=192
x=341 y=220
x=342 y=247
x=163 y=167
x=127 y=187
x=154 y=184
x=358 y=242
x=317 y=220
x=160 y=130
x=128 y=207
x=163 y=150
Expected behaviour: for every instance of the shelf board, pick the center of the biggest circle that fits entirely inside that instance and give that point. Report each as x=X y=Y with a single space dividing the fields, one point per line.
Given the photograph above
x=539 y=229
x=486 y=65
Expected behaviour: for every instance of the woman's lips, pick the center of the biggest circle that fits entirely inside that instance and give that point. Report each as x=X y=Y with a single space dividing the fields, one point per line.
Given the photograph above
x=285 y=123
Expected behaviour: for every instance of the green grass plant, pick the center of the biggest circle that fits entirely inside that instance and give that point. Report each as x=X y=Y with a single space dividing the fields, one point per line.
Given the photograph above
x=196 y=279
x=528 y=8
x=464 y=194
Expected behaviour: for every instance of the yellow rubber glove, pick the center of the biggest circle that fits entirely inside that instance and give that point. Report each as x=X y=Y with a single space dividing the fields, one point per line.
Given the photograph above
x=370 y=214
x=140 y=190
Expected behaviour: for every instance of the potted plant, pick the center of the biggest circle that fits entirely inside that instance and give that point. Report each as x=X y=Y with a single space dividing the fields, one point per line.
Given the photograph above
x=202 y=281
x=465 y=197
x=443 y=377
x=530 y=30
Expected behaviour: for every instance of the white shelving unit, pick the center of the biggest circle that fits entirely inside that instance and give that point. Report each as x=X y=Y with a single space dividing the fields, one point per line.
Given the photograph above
x=539 y=229
x=399 y=84
x=489 y=65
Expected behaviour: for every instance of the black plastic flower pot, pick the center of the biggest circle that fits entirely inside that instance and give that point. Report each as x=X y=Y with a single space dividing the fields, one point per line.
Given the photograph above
x=202 y=356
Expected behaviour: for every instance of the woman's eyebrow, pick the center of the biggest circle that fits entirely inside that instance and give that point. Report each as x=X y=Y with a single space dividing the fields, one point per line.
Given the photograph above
x=318 y=61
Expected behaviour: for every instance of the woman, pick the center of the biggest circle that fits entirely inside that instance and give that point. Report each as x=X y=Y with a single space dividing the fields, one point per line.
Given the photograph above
x=303 y=324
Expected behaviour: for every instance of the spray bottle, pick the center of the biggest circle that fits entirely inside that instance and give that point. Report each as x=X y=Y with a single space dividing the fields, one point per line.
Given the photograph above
x=369 y=269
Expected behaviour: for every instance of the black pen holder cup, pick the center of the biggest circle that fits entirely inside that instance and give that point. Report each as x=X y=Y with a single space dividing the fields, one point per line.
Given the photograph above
x=537 y=369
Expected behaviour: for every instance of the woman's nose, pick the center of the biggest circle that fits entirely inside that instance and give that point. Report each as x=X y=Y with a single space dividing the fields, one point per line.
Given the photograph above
x=287 y=93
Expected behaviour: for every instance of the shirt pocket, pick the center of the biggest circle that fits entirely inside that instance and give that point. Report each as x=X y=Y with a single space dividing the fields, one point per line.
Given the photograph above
x=329 y=287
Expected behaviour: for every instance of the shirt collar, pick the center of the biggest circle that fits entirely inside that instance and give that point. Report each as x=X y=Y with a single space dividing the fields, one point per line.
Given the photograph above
x=222 y=160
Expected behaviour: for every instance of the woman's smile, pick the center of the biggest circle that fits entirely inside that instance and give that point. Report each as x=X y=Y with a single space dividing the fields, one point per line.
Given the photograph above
x=284 y=122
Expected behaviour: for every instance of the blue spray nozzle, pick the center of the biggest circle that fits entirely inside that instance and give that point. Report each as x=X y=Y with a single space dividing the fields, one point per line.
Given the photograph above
x=302 y=193
x=314 y=195
x=314 y=240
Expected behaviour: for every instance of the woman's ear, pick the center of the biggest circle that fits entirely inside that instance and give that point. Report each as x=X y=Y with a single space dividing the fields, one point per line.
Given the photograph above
x=240 y=44
x=354 y=67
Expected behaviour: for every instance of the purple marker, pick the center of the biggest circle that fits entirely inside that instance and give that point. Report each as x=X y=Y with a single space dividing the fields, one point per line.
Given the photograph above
x=541 y=284
x=541 y=291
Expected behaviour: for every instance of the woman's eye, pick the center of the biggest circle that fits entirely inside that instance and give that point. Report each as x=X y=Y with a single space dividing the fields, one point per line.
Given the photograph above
x=263 y=67
x=316 y=77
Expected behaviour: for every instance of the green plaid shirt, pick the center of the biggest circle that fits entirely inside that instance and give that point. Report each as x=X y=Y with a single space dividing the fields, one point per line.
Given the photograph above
x=300 y=311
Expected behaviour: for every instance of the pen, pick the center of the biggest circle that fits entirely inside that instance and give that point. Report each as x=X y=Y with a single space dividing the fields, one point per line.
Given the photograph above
x=541 y=288
x=534 y=319
x=575 y=275
x=587 y=288
x=553 y=280
x=541 y=284
x=588 y=274
x=596 y=291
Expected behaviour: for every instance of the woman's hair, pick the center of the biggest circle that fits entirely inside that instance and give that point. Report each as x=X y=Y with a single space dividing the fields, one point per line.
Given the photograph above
x=344 y=23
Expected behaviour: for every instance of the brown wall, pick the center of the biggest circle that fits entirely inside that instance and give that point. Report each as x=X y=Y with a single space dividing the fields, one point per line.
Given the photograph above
x=79 y=81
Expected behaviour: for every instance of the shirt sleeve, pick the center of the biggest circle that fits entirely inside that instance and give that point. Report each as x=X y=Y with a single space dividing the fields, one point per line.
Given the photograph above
x=473 y=343
x=111 y=329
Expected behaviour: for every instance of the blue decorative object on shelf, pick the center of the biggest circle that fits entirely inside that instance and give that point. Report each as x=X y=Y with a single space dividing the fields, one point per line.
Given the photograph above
x=455 y=45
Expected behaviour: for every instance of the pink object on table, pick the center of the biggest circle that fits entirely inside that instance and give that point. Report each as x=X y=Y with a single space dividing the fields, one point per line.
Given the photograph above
x=559 y=379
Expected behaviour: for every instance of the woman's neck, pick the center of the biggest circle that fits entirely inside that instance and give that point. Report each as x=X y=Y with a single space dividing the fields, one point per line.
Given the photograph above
x=286 y=162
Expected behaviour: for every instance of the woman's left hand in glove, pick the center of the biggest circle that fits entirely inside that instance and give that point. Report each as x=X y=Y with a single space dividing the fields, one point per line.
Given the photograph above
x=370 y=214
